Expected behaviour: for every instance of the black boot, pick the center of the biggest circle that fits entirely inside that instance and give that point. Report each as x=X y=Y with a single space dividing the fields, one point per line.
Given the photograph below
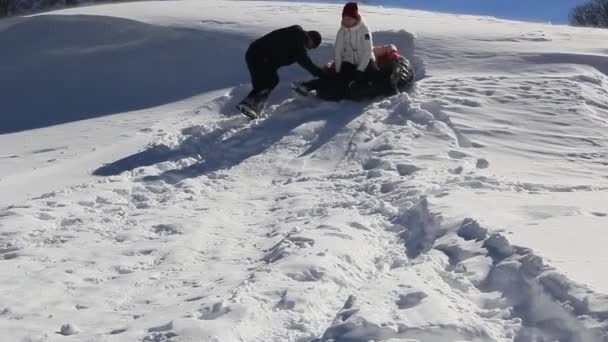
x=254 y=104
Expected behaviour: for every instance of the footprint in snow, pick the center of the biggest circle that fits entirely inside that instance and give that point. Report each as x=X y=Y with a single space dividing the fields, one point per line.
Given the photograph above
x=47 y=150
x=482 y=163
x=456 y=171
x=194 y=299
x=406 y=169
x=457 y=154
x=159 y=337
x=117 y=331
x=286 y=246
x=359 y=226
x=9 y=256
x=45 y=217
x=87 y=204
x=69 y=330
x=339 y=235
x=164 y=327
x=168 y=229
x=68 y=222
x=376 y=163
x=410 y=300
x=310 y=275
x=285 y=303
x=122 y=269
x=211 y=312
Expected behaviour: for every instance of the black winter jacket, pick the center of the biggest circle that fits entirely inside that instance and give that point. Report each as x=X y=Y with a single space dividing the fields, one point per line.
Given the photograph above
x=284 y=47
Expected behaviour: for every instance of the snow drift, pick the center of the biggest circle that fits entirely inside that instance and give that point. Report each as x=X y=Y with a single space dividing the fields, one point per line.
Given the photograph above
x=91 y=66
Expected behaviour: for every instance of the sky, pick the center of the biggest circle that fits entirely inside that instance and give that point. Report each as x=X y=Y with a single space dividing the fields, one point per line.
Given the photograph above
x=555 y=11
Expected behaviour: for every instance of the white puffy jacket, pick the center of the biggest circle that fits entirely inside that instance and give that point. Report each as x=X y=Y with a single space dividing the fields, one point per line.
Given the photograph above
x=354 y=45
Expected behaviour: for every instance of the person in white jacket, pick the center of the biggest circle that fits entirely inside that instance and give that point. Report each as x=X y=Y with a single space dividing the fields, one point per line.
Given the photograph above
x=354 y=60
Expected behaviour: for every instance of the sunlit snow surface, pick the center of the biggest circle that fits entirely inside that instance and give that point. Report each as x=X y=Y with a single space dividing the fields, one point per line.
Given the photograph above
x=136 y=205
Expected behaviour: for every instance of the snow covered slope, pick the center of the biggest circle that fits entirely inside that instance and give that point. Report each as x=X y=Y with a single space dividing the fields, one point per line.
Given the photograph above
x=136 y=206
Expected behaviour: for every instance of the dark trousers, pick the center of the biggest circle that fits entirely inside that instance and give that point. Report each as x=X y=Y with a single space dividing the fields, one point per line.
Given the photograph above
x=264 y=76
x=348 y=74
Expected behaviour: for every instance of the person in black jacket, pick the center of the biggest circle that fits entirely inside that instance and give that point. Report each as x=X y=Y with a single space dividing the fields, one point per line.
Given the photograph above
x=267 y=54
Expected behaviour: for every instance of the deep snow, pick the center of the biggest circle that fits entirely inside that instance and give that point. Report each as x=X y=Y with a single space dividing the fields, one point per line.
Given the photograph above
x=137 y=206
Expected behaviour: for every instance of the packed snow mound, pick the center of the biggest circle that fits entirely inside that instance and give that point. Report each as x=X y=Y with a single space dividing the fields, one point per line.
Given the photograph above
x=90 y=66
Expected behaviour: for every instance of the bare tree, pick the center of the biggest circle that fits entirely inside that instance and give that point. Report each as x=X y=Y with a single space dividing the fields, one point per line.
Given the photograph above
x=602 y=6
x=11 y=7
x=593 y=14
x=4 y=8
x=584 y=15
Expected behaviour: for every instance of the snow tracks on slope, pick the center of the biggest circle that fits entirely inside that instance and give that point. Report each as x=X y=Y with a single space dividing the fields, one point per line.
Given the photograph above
x=317 y=223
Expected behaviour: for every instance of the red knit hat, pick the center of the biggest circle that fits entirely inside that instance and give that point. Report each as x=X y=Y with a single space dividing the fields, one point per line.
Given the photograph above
x=351 y=9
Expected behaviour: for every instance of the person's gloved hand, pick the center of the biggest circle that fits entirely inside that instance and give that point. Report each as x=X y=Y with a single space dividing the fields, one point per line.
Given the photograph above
x=325 y=74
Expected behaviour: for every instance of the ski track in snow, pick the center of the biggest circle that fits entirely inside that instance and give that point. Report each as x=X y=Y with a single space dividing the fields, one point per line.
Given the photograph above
x=320 y=222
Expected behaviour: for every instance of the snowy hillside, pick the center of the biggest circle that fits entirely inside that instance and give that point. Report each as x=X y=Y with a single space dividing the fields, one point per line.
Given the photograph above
x=136 y=205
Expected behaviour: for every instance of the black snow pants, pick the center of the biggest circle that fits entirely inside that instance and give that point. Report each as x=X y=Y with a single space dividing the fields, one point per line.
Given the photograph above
x=348 y=74
x=337 y=86
x=264 y=76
